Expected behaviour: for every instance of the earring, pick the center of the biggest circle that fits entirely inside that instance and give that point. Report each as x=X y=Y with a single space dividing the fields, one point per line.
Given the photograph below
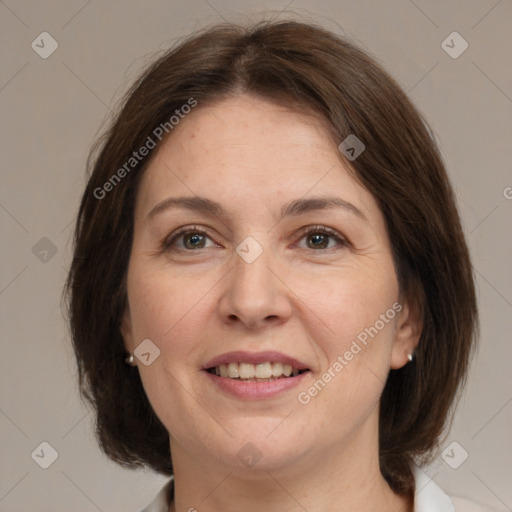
x=130 y=360
x=410 y=357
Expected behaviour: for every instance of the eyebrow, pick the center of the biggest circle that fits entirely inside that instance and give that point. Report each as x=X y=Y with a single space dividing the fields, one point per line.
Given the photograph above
x=293 y=208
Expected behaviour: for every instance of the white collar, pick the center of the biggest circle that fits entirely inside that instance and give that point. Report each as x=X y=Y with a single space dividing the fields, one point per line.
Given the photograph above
x=428 y=497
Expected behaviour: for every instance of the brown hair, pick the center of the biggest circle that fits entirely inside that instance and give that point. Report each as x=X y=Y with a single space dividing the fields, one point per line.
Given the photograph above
x=306 y=67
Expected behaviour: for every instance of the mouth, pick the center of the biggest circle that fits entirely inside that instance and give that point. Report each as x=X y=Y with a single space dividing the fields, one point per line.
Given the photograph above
x=255 y=376
x=261 y=372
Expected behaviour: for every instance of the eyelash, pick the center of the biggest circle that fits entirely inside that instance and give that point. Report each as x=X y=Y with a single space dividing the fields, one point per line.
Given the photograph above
x=167 y=243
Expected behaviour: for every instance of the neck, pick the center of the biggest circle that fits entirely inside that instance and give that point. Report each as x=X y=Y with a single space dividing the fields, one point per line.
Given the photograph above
x=343 y=479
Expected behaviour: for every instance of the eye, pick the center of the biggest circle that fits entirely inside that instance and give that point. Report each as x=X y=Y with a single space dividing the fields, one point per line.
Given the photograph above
x=192 y=238
x=188 y=239
x=320 y=237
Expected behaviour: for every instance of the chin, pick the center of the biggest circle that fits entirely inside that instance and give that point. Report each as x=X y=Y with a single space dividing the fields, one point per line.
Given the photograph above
x=260 y=444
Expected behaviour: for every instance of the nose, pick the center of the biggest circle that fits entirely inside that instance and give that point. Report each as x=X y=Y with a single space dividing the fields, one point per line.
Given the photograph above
x=254 y=295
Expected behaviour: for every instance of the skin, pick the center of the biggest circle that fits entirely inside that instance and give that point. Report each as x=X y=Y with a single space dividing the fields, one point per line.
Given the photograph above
x=253 y=156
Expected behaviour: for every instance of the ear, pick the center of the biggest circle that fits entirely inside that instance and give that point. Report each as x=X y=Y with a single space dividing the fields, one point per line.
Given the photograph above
x=408 y=332
x=126 y=330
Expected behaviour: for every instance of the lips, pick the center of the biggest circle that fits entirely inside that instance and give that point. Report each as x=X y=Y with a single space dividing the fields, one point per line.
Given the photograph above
x=255 y=375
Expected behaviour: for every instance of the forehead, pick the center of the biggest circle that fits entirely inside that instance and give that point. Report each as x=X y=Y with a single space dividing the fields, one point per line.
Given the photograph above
x=247 y=148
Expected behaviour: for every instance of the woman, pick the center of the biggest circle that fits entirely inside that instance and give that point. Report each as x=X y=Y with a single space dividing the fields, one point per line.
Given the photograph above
x=271 y=296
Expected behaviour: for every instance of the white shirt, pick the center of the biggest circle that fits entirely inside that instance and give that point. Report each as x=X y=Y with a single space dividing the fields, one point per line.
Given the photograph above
x=428 y=498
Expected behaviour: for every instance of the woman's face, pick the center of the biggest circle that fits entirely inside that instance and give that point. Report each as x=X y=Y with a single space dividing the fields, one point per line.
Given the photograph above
x=255 y=250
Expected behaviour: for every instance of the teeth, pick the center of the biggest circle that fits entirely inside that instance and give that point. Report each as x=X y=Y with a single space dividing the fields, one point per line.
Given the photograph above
x=261 y=371
x=277 y=370
x=247 y=371
x=233 y=372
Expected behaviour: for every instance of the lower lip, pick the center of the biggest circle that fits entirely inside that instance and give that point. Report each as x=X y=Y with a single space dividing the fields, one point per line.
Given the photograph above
x=255 y=390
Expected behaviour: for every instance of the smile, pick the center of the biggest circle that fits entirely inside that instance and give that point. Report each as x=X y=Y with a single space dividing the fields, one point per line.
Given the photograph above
x=248 y=372
x=255 y=375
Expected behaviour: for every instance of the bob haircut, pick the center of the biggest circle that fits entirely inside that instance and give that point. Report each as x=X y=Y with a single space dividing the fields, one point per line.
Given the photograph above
x=306 y=68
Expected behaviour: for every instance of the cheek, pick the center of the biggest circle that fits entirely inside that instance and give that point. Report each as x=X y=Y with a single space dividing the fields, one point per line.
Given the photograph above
x=355 y=372
x=167 y=309
x=354 y=341
x=348 y=301
x=149 y=309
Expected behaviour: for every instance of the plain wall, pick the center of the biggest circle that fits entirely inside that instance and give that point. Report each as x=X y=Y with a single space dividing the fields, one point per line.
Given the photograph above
x=53 y=108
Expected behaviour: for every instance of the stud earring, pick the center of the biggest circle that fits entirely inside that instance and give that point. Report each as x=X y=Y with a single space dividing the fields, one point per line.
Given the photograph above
x=410 y=357
x=130 y=360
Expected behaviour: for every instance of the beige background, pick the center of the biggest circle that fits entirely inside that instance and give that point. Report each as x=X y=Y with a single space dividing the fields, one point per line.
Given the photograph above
x=51 y=111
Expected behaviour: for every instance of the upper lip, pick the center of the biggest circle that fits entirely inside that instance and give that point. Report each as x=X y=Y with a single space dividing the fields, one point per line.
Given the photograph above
x=241 y=356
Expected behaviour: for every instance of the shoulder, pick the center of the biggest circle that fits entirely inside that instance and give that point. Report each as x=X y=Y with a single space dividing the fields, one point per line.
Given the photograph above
x=161 y=501
x=430 y=497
